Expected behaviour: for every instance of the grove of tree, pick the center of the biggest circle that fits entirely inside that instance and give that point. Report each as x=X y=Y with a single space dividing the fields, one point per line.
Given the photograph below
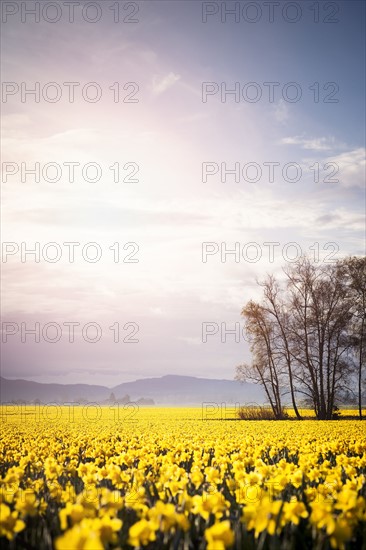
x=307 y=336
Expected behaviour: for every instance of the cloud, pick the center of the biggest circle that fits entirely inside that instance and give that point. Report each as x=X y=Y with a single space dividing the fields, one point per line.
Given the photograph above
x=351 y=167
x=341 y=219
x=327 y=219
x=281 y=112
x=160 y=85
x=314 y=144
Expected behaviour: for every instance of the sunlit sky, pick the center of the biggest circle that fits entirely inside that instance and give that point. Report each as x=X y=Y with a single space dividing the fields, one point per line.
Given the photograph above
x=170 y=211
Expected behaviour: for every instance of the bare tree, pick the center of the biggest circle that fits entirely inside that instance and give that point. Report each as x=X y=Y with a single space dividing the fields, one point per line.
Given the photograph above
x=356 y=278
x=321 y=316
x=276 y=307
x=266 y=368
x=303 y=331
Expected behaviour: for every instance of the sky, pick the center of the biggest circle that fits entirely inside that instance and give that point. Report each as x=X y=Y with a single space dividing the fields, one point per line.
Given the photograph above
x=162 y=135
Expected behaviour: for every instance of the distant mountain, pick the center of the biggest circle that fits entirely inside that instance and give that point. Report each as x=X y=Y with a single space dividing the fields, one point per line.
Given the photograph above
x=25 y=390
x=189 y=390
x=166 y=390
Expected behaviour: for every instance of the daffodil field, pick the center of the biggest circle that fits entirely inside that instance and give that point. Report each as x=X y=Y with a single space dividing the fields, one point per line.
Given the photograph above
x=173 y=479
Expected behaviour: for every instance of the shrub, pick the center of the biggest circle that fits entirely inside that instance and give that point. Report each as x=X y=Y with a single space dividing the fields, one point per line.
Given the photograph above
x=336 y=414
x=260 y=413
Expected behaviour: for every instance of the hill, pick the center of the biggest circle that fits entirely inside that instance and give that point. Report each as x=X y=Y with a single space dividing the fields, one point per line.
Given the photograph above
x=165 y=390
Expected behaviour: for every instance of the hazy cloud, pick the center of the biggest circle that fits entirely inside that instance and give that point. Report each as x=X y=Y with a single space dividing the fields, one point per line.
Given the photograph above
x=314 y=144
x=281 y=111
x=161 y=84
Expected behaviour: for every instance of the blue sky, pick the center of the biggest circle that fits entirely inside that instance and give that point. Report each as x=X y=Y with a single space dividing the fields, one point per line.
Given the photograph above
x=169 y=133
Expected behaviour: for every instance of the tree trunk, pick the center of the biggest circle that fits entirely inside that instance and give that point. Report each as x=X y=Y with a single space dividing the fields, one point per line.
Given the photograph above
x=360 y=370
